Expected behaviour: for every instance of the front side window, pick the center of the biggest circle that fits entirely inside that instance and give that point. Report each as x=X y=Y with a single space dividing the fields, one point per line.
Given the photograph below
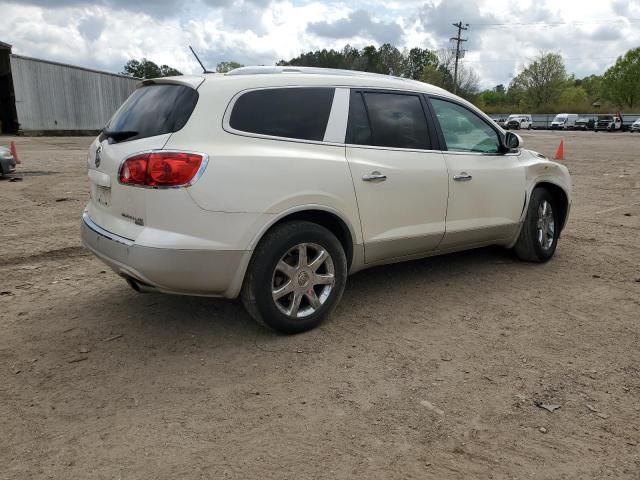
x=463 y=130
x=301 y=113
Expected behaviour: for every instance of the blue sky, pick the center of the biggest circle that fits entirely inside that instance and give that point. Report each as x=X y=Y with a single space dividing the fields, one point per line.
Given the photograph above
x=503 y=36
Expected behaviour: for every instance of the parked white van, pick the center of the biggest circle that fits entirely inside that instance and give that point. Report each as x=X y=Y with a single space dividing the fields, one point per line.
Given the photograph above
x=273 y=184
x=565 y=121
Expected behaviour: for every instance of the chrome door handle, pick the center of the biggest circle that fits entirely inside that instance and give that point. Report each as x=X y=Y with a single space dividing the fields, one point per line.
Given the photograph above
x=375 y=177
x=462 y=177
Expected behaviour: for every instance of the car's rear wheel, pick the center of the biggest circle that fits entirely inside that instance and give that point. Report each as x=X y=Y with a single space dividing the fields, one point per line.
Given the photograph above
x=296 y=277
x=539 y=235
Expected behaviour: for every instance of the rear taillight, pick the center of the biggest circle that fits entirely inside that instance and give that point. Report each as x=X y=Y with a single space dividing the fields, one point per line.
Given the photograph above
x=161 y=169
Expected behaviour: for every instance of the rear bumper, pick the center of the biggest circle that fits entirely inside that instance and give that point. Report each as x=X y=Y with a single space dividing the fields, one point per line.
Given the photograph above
x=187 y=272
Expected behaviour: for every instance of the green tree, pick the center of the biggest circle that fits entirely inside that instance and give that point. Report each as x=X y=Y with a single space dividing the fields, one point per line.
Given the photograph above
x=621 y=82
x=542 y=80
x=224 y=67
x=147 y=69
x=392 y=62
x=417 y=59
x=574 y=96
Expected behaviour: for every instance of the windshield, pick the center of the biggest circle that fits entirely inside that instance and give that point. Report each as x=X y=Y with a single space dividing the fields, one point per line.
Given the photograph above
x=606 y=117
x=560 y=118
x=514 y=117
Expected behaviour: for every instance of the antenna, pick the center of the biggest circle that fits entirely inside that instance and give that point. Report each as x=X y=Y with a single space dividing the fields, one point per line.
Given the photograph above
x=204 y=69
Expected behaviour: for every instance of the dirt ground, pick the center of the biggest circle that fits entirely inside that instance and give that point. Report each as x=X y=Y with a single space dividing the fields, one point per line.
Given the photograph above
x=428 y=369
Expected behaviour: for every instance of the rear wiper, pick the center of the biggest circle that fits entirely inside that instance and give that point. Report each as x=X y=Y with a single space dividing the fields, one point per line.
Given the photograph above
x=119 y=135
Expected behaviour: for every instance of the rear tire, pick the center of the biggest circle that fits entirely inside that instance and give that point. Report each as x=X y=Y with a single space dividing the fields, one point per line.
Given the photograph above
x=539 y=235
x=296 y=277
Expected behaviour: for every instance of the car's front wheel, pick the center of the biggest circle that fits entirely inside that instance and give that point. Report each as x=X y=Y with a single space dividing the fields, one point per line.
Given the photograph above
x=296 y=277
x=539 y=235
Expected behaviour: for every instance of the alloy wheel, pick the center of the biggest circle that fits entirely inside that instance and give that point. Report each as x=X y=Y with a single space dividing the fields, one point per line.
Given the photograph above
x=303 y=280
x=545 y=225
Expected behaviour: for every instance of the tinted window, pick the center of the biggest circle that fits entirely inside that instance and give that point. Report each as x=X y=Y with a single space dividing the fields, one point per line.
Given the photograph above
x=154 y=110
x=463 y=130
x=284 y=112
x=358 y=131
x=397 y=120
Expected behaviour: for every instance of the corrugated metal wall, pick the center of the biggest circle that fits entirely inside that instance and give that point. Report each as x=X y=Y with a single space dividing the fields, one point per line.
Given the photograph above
x=53 y=96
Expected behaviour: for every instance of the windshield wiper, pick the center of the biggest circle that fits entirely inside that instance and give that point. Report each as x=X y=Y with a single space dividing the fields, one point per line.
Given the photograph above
x=119 y=135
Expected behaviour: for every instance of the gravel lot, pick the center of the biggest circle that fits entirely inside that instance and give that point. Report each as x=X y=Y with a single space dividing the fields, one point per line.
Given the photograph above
x=428 y=369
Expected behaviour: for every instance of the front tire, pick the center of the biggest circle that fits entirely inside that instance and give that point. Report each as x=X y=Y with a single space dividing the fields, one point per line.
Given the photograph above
x=539 y=235
x=296 y=277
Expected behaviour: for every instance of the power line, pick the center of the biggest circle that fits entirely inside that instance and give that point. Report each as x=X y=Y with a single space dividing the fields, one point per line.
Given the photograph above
x=564 y=58
x=458 y=41
x=555 y=24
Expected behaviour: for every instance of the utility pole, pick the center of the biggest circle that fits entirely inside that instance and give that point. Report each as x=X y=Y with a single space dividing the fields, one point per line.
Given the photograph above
x=459 y=53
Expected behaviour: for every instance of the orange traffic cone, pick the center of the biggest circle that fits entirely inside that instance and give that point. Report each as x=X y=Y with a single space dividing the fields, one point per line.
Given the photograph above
x=14 y=152
x=560 y=151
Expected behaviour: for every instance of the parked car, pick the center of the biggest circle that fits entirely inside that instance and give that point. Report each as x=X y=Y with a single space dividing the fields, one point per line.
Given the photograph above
x=518 y=122
x=635 y=126
x=585 y=123
x=564 y=121
x=610 y=123
x=499 y=120
x=273 y=184
x=7 y=162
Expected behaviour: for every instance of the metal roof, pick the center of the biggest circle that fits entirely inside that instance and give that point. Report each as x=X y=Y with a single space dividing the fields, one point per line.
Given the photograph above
x=72 y=66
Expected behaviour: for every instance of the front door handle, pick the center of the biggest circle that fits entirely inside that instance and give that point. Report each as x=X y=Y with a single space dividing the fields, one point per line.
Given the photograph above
x=375 y=177
x=462 y=177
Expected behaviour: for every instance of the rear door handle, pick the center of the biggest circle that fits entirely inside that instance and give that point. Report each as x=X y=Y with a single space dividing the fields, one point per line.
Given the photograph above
x=375 y=177
x=462 y=177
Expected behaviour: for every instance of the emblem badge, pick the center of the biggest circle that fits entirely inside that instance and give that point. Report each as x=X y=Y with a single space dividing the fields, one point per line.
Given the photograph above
x=98 y=157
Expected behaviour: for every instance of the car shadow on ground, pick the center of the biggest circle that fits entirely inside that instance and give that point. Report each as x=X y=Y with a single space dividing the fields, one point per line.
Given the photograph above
x=168 y=318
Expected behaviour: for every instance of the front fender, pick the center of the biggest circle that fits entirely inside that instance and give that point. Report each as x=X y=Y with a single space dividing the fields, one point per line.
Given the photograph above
x=540 y=170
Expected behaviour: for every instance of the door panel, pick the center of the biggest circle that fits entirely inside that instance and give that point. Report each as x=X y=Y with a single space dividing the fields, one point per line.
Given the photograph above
x=486 y=207
x=486 y=187
x=405 y=213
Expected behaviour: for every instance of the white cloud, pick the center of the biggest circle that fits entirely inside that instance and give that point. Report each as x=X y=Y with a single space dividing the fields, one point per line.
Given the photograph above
x=106 y=33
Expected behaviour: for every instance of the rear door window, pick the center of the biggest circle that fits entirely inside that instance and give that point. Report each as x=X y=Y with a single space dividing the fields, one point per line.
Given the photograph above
x=153 y=110
x=300 y=113
x=388 y=120
x=358 y=129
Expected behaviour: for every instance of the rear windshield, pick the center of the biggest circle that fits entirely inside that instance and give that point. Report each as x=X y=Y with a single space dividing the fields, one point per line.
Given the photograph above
x=301 y=113
x=153 y=110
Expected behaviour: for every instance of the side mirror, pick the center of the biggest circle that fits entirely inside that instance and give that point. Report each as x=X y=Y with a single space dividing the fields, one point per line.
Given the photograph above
x=512 y=140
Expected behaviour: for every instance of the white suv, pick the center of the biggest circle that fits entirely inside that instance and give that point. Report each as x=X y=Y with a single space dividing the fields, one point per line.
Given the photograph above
x=518 y=122
x=275 y=183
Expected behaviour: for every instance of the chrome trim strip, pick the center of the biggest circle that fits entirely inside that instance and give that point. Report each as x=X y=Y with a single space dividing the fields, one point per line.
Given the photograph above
x=90 y=224
x=395 y=149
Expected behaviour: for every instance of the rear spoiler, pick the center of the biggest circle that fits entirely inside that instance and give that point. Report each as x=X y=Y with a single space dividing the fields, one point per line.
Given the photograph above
x=193 y=81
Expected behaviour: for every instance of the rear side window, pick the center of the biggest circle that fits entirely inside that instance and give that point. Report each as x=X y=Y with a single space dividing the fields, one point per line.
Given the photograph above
x=301 y=113
x=153 y=110
x=388 y=120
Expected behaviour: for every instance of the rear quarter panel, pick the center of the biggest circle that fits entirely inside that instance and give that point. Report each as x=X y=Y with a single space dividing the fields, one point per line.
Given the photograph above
x=264 y=176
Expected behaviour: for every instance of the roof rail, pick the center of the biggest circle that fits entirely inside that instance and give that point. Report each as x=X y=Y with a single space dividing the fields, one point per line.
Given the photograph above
x=261 y=70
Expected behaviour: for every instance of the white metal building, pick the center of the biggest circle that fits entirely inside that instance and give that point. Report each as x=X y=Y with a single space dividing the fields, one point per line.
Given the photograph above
x=40 y=96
